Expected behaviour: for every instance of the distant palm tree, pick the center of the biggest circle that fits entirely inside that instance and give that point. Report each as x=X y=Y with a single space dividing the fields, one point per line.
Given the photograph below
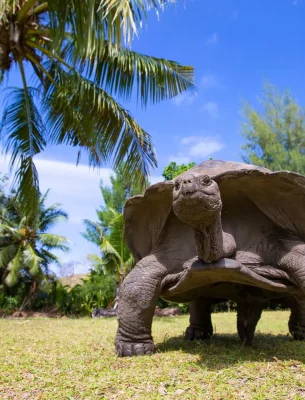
x=74 y=50
x=116 y=259
x=25 y=246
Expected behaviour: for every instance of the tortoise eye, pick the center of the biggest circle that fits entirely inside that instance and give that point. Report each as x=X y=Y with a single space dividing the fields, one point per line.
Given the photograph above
x=206 y=180
x=177 y=185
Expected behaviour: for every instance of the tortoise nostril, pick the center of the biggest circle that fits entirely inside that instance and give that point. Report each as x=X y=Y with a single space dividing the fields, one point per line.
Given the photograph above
x=189 y=181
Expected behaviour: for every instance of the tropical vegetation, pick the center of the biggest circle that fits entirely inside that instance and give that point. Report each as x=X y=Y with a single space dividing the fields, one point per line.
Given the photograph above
x=275 y=135
x=27 y=247
x=75 y=52
x=172 y=170
x=115 y=259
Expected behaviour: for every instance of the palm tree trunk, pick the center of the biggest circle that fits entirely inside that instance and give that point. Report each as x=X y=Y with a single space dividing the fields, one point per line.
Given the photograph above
x=30 y=297
x=5 y=61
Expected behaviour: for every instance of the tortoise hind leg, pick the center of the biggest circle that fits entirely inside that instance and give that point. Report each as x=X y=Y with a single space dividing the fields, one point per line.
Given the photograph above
x=200 y=327
x=248 y=315
x=296 y=322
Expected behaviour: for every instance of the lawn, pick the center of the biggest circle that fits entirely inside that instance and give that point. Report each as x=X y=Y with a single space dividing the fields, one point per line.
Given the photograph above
x=74 y=359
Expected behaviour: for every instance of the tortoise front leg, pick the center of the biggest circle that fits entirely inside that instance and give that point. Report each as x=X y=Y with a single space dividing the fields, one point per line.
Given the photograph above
x=137 y=301
x=200 y=327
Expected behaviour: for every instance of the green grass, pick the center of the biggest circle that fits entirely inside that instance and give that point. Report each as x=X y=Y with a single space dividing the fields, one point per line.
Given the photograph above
x=74 y=359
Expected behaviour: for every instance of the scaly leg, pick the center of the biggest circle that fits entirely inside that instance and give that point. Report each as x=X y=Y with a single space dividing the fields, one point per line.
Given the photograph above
x=248 y=315
x=200 y=327
x=137 y=301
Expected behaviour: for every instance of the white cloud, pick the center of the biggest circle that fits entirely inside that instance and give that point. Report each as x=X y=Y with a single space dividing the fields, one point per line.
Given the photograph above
x=180 y=158
x=203 y=146
x=77 y=189
x=211 y=108
x=209 y=81
x=186 y=99
x=196 y=148
x=211 y=40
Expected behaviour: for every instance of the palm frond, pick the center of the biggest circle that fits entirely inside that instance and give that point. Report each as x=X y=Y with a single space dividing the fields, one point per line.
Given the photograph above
x=98 y=263
x=22 y=136
x=14 y=268
x=128 y=15
x=121 y=71
x=9 y=230
x=94 y=21
x=116 y=236
x=6 y=7
x=47 y=257
x=94 y=232
x=129 y=264
x=27 y=185
x=22 y=129
x=50 y=217
x=108 y=133
x=7 y=254
x=31 y=260
x=52 y=241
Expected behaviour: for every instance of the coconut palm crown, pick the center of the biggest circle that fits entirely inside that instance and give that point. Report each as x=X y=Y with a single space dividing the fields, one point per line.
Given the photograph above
x=75 y=51
x=26 y=246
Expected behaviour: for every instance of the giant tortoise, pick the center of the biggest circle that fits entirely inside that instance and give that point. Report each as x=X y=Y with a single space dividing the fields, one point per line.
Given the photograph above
x=220 y=230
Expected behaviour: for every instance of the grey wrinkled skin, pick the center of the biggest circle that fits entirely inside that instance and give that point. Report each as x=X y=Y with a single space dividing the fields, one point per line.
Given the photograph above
x=221 y=230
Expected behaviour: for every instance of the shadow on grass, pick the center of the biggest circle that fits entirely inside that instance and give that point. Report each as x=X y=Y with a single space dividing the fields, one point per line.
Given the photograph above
x=226 y=350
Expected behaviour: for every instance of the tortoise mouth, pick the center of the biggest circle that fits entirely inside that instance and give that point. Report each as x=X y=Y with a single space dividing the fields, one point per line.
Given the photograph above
x=197 y=198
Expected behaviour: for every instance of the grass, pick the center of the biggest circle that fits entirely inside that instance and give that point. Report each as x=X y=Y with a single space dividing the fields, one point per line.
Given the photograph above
x=74 y=359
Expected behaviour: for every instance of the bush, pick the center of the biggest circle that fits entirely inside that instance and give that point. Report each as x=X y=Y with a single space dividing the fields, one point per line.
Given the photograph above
x=96 y=292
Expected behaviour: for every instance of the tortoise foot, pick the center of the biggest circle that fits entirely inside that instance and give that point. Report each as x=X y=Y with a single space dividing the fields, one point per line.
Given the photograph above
x=129 y=349
x=197 y=334
x=298 y=332
x=246 y=331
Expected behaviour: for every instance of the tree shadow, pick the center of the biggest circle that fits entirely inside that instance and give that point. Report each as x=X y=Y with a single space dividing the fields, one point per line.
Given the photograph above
x=224 y=350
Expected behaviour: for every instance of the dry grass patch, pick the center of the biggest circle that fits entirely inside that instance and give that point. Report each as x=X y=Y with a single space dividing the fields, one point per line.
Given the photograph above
x=74 y=359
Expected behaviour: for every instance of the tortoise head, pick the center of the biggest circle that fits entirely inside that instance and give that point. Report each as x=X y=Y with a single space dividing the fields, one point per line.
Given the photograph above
x=196 y=199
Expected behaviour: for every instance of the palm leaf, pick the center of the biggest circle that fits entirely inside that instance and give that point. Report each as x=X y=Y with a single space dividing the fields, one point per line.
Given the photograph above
x=93 y=21
x=31 y=260
x=50 y=216
x=22 y=129
x=93 y=233
x=128 y=15
x=109 y=250
x=6 y=7
x=52 y=241
x=14 y=268
x=7 y=254
x=121 y=71
x=9 y=230
x=108 y=133
x=22 y=136
x=47 y=257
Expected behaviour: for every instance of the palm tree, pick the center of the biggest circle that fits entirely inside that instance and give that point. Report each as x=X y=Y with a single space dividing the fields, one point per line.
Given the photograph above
x=74 y=49
x=116 y=259
x=25 y=246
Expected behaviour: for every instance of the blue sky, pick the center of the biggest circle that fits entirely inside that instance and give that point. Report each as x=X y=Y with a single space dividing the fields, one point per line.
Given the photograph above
x=234 y=46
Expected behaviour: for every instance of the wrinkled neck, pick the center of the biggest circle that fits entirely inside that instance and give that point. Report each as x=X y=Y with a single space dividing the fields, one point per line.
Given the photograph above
x=209 y=240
